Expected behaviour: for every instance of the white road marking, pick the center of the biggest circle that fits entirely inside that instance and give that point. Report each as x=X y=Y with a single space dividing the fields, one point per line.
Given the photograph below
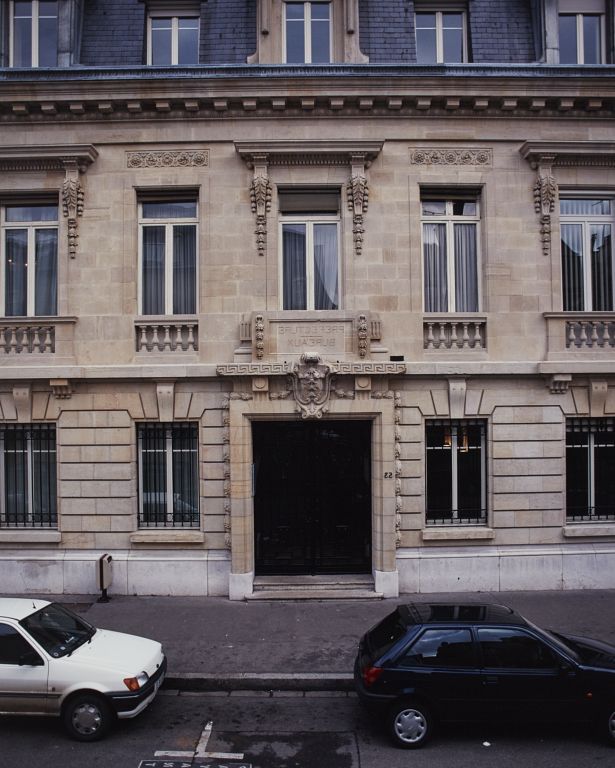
x=165 y=753
x=201 y=749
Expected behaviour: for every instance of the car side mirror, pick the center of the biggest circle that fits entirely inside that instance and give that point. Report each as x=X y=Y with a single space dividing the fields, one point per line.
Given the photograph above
x=30 y=659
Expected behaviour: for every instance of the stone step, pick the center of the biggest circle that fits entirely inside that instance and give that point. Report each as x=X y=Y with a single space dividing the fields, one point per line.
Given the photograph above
x=314 y=593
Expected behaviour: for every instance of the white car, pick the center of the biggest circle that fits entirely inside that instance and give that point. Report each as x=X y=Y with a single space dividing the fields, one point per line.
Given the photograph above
x=52 y=662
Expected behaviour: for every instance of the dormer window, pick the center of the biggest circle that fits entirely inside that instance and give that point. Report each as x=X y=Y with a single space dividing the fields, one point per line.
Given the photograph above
x=173 y=40
x=581 y=32
x=308 y=32
x=440 y=35
x=34 y=34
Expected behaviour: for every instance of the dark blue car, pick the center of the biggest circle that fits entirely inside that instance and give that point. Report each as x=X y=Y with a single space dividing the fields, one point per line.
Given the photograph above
x=427 y=663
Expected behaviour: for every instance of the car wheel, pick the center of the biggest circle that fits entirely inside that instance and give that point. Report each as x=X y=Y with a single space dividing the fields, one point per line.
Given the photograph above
x=87 y=717
x=609 y=721
x=410 y=724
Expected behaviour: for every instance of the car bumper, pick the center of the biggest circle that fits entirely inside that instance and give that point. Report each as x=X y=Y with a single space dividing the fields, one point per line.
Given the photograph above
x=373 y=701
x=127 y=705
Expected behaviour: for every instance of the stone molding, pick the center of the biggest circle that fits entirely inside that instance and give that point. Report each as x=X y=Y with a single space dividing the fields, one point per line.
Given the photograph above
x=368 y=368
x=175 y=158
x=451 y=156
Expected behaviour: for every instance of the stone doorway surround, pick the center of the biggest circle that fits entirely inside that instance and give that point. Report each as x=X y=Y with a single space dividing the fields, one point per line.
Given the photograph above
x=311 y=388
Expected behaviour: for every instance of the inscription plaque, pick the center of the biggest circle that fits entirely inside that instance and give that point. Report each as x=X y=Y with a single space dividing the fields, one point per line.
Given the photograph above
x=294 y=338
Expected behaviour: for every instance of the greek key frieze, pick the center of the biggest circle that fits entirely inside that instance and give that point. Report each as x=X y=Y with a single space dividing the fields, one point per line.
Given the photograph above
x=168 y=159
x=482 y=157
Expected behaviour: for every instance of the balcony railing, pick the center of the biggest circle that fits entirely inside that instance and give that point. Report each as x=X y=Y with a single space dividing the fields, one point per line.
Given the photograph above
x=167 y=335
x=452 y=333
x=37 y=336
x=580 y=333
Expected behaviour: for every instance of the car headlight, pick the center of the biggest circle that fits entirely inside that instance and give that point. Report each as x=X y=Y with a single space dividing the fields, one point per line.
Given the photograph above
x=134 y=683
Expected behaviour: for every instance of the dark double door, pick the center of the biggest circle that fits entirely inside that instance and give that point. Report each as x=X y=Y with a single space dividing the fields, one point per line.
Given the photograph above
x=312 y=497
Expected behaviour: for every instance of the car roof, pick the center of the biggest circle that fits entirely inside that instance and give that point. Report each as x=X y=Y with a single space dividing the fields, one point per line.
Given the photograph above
x=472 y=613
x=19 y=607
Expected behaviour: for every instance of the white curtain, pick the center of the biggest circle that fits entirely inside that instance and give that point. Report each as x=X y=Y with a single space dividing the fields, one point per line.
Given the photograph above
x=325 y=267
x=16 y=277
x=184 y=269
x=572 y=267
x=46 y=272
x=153 y=270
x=602 y=268
x=293 y=266
x=466 y=277
x=435 y=271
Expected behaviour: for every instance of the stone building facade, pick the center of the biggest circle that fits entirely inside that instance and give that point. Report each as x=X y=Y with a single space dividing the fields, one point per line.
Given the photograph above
x=307 y=293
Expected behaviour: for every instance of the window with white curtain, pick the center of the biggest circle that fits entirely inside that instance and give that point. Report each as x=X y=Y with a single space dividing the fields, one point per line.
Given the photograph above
x=590 y=469
x=28 y=479
x=168 y=257
x=309 y=223
x=307 y=32
x=587 y=253
x=34 y=33
x=29 y=260
x=450 y=254
x=168 y=468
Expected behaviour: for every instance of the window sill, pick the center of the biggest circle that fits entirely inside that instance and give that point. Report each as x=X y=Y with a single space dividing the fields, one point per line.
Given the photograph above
x=29 y=536
x=457 y=533
x=167 y=536
x=587 y=530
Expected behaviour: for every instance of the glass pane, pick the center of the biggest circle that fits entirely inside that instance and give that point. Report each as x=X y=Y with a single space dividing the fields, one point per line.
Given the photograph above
x=153 y=271
x=592 y=47
x=22 y=41
x=152 y=444
x=185 y=475
x=184 y=269
x=295 y=40
x=466 y=269
x=463 y=208
x=46 y=272
x=434 y=266
x=48 y=41
x=452 y=38
x=16 y=476
x=325 y=267
x=585 y=207
x=434 y=207
x=426 y=48
x=577 y=474
x=604 y=474
x=470 y=475
x=188 y=42
x=439 y=472
x=161 y=42
x=425 y=20
x=185 y=209
x=16 y=286
x=321 y=43
x=511 y=649
x=44 y=485
x=602 y=268
x=294 y=266
x=572 y=267
x=32 y=213
x=441 y=648
x=320 y=11
x=568 y=53
x=48 y=8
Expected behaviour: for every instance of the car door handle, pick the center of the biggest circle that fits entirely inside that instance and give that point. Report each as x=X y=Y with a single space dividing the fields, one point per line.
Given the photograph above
x=490 y=680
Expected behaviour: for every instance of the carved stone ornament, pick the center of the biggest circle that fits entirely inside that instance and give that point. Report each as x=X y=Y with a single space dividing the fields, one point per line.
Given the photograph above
x=362 y=336
x=72 y=207
x=260 y=198
x=311 y=383
x=545 y=195
x=259 y=336
x=168 y=159
x=451 y=157
x=358 y=197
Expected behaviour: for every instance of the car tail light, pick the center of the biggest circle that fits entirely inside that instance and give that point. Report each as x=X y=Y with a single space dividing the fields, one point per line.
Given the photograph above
x=371 y=674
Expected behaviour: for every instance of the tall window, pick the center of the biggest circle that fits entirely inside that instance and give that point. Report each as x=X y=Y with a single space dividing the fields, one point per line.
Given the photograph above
x=581 y=37
x=28 y=487
x=34 y=34
x=30 y=260
x=587 y=254
x=450 y=254
x=456 y=472
x=173 y=40
x=441 y=37
x=308 y=32
x=310 y=253
x=168 y=253
x=168 y=475
x=590 y=469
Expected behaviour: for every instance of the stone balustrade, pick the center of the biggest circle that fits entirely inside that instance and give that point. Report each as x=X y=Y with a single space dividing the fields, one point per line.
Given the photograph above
x=452 y=332
x=583 y=332
x=26 y=337
x=579 y=334
x=167 y=335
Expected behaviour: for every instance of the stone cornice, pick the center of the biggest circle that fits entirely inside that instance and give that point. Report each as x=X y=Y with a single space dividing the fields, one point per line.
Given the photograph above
x=558 y=154
x=47 y=157
x=312 y=152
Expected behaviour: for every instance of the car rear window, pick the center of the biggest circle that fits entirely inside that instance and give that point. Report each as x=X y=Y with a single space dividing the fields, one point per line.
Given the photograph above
x=384 y=635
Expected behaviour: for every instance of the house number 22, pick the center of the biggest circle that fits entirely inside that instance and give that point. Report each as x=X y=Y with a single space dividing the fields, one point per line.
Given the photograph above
x=388 y=475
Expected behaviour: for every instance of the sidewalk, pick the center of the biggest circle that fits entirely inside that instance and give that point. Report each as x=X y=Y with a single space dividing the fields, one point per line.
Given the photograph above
x=213 y=643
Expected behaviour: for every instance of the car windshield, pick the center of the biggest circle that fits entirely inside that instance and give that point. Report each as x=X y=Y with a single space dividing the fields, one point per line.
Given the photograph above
x=57 y=629
x=562 y=643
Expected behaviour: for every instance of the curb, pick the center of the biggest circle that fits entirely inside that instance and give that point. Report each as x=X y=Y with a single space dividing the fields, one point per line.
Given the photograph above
x=254 y=681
